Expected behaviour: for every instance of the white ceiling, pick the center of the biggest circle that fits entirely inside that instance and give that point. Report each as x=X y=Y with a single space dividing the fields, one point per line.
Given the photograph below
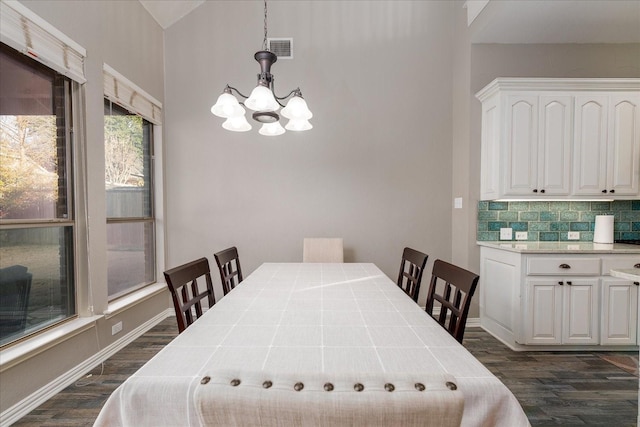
x=168 y=12
x=508 y=21
x=558 y=21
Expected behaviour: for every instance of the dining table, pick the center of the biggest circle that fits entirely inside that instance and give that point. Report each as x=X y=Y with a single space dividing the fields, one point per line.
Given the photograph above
x=314 y=344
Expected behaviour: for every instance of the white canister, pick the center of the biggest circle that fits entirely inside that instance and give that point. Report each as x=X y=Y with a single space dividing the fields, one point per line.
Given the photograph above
x=603 y=230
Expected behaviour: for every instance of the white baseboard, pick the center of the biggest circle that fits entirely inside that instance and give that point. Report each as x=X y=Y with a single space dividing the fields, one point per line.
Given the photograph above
x=31 y=402
x=473 y=322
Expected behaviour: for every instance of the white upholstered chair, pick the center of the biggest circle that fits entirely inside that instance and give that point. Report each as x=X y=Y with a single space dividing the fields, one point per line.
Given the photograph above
x=322 y=249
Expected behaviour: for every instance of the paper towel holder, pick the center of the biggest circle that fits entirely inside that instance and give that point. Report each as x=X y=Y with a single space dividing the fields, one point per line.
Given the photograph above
x=603 y=229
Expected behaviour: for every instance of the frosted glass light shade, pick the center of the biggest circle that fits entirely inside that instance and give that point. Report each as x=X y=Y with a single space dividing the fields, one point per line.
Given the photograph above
x=297 y=109
x=261 y=99
x=271 y=129
x=298 y=125
x=227 y=106
x=237 y=124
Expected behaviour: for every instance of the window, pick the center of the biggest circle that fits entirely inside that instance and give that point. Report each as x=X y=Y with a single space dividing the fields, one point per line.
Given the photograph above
x=129 y=190
x=36 y=197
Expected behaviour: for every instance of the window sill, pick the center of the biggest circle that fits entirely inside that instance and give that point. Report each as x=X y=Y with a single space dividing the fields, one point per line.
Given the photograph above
x=31 y=347
x=123 y=303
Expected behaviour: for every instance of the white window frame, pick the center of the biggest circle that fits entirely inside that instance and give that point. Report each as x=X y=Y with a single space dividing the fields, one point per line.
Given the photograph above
x=122 y=91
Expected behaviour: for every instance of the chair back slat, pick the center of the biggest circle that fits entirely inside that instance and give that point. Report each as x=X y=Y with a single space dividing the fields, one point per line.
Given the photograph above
x=453 y=310
x=410 y=274
x=185 y=293
x=230 y=270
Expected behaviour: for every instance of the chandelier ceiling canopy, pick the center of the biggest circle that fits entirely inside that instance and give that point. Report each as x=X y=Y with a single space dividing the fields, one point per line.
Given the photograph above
x=263 y=101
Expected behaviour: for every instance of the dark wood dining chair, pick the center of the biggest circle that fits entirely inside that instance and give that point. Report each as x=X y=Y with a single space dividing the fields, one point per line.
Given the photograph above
x=411 y=269
x=230 y=270
x=459 y=287
x=185 y=293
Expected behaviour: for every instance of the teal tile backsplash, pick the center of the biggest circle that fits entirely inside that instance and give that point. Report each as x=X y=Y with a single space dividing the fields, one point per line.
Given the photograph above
x=551 y=221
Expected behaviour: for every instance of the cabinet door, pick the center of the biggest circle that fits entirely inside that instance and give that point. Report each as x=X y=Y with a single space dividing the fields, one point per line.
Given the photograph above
x=554 y=145
x=543 y=318
x=590 y=145
x=623 y=155
x=580 y=321
x=490 y=150
x=521 y=145
x=619 y=312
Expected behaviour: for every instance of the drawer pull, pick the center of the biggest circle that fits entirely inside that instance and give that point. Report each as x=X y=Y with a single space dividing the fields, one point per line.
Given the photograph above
x=564 y=266
x=569 y=283
x=637 y=265
x=636 y=283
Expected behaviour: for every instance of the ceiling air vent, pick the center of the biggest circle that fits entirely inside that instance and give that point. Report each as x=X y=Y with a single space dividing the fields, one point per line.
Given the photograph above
x=283 y=48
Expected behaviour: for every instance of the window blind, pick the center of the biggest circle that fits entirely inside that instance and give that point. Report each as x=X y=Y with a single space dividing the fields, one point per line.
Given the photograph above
x=122 y=91
x=26 y=32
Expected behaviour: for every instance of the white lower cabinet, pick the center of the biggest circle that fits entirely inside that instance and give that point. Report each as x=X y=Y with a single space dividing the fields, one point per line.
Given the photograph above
x=562 y=311
x=558 y=300
x=619 y=311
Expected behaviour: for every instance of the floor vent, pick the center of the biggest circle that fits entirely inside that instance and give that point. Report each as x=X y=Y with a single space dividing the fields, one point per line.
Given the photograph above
x=283 y=47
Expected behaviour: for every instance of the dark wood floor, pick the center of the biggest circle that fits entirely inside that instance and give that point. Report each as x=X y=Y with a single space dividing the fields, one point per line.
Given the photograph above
x=564 y=388
x=582 y=388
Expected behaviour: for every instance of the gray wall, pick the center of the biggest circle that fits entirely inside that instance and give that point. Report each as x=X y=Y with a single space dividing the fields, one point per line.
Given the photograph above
x=376 y=168
x=126 y=37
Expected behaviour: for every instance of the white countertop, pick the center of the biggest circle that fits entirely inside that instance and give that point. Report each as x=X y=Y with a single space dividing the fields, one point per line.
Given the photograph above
x=562 y=247
x=629 y=273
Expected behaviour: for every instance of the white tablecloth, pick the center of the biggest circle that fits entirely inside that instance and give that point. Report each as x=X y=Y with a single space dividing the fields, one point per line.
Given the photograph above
x=312 y=324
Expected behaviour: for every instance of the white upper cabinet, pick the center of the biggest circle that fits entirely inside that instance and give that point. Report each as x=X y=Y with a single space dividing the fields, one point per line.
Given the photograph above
x=537 y=144
x=607 y=144
x=554 y=140
x=560 y=138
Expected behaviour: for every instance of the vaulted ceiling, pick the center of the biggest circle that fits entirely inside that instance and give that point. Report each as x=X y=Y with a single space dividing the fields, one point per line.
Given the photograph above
x=507 y=21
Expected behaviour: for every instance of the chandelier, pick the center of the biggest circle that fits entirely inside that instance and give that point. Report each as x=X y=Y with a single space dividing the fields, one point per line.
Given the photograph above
x=263 y=101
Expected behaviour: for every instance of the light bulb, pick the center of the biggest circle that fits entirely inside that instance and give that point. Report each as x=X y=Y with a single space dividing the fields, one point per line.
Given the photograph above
x=236 y=124
x=262 y=99
x=298 y=125
x=227 y=106
x=271 y=129
x=297 y=109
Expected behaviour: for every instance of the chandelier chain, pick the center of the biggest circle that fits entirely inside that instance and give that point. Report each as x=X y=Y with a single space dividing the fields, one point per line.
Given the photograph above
x=264 y=41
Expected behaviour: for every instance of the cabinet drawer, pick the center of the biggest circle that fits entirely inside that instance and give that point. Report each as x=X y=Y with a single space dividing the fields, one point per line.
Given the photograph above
x=559 y=266
x=620 y=262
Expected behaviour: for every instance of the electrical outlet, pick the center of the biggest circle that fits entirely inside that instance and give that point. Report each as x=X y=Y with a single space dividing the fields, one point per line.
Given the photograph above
x=116 y=328
x=522 y=235
x=573 y=235
x=506 y=233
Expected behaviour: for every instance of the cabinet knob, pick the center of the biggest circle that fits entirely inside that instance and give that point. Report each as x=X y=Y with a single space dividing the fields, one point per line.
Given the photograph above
x=542 y=191
x=604 y=191
x=637 y=265
x=535 y=190
x=612 y=191
x=565 y=266
x=569 y=283
x=636 y=283
x=560 y=283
